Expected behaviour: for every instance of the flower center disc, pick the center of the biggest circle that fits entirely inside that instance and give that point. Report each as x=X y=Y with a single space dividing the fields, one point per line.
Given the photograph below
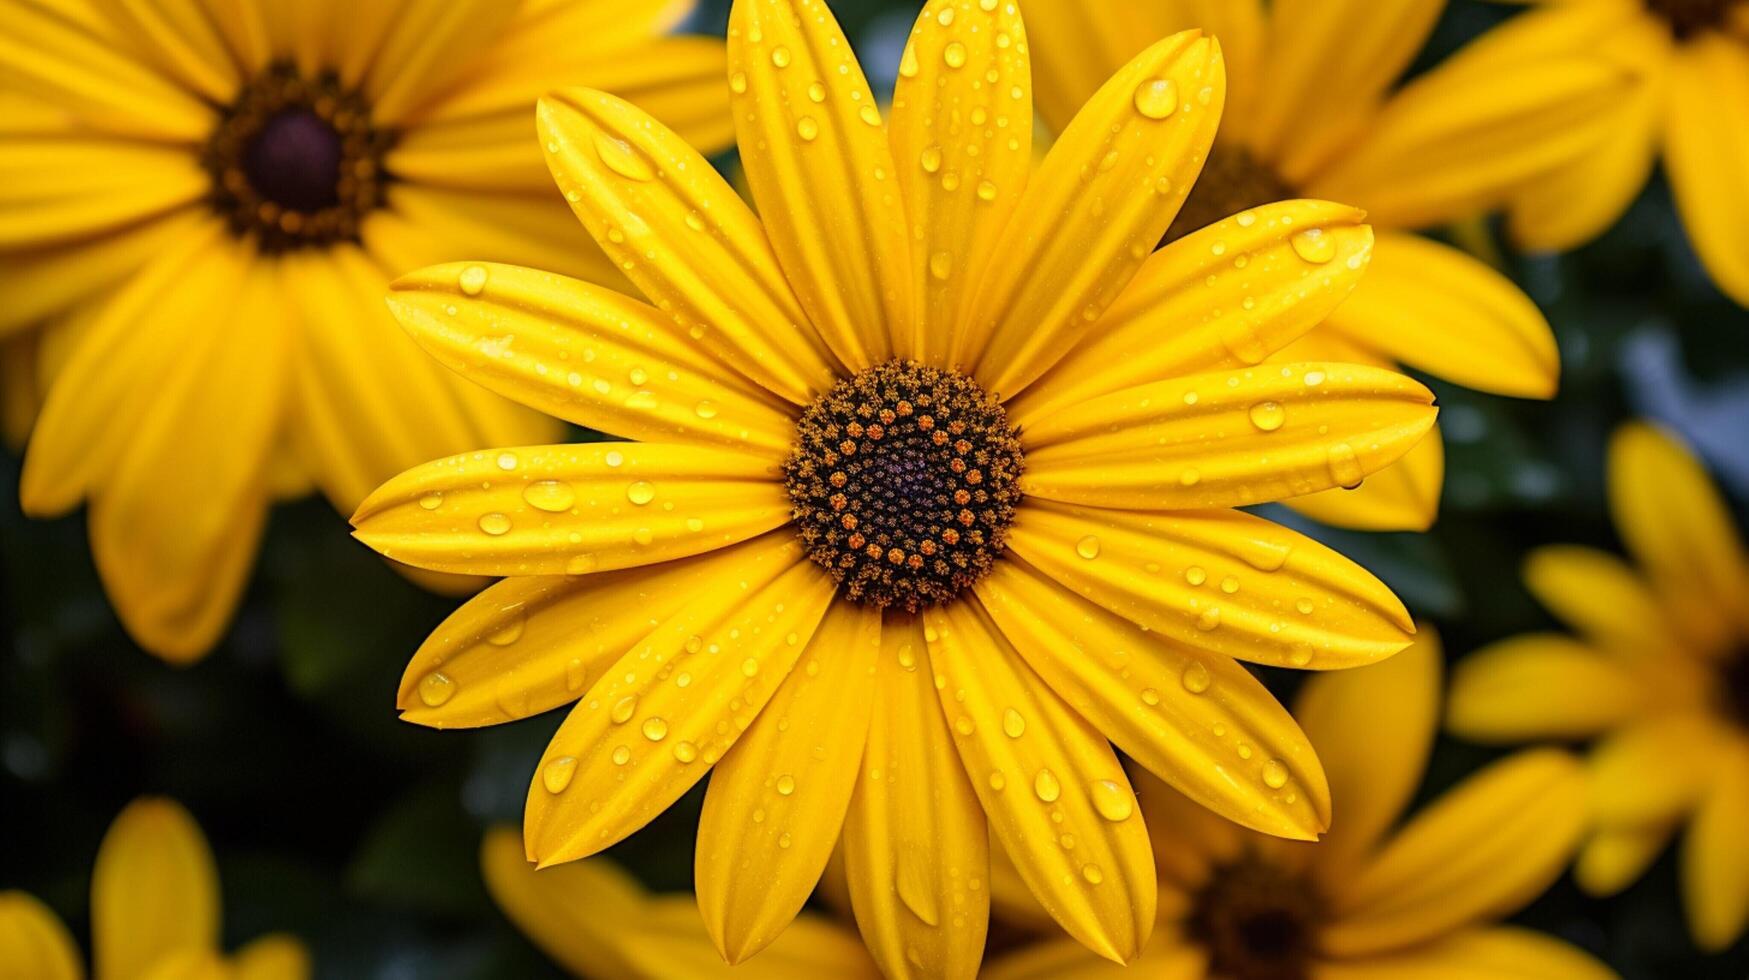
x=296 y=161
x=1257 y=922
x=1688 y=16
x=903 y=479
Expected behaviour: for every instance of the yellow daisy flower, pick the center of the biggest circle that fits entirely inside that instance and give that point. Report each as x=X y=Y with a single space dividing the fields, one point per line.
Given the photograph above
x=204 y=202
x=598 y=922
x=1658 y=675
x=1312 y=111
x=1688 y=103
x=852 y=564
x=1372 y=900
x=154 y=913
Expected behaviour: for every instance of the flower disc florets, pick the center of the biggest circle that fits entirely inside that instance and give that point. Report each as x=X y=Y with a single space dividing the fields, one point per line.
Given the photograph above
x=296 y=161
x=1257 y=921
x=904 y=481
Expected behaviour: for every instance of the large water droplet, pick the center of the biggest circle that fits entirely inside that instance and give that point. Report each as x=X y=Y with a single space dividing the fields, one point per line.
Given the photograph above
x=685 y=752
x=556 y=775
x=954 y=54
x=553 y=496
x=1196 y=677
x=1314 y=245
x=435 y=688
x=1274 y=774
x=623 y=709
x=1268 y=416
x=786 y=784
x=655 y=729
x=494 y=523
x=1013 y=725
x=1113 y=800
x=472 y=279
x=618 y=156
x=1344 y=466
x=1157 y=98
x=1088 y=547
x=641 y=492
x=1046 y=786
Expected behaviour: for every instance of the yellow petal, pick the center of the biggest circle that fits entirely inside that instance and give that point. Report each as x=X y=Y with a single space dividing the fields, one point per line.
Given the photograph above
x=1600 y=596
x=1190 y=840
x=680 y=233
x=1221 y=581
x=55 y=189
x=189 y=964
x=546 y=510
x=1226 y=296
x=1715 y=869
x=119 y=359
x=1230 y=439
x=1373 y=730
x=587 y=355
x=1441 y=311
x=1094 y=211
x=576 y=913
x=1454 y=142
x=962 y=144
x=34 y=945
x=422 y=225
x=1065 y=960
x=817 y=159
x=531 y=643
x=44 y=282
x=674 y=944
x=1403 y=496
x=425 y=45
x=276 y=957
x=777 y=801
x=915 y=839
x=1047 y=779
x=1707 y=161
x=1076 y=48
x=1615 y=857
x=47 y=54
x=1653 y=771
x=1331 y=61
x=154 y=891
x=1680 y=530
x=180 y=38
x=1539 y=686
x=175 y=522
x=1162 y=703
x=1490 y=953
x=1483 y=850
x=662 y=715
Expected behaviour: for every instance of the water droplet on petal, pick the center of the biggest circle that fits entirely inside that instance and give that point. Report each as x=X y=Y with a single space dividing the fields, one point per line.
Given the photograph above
x=553 y=496
x=431 y=501
x=1314 y=245
x=685 y=752
x=1088 y=547
x=1268 y=416
x=494 y=523
x=1196 y=677
x=556 y=775
x=1157 y=98
x=1344 y=466
x=435 y=688
x=1013 y=725
x=1046 y=786
x=780 y=57
x=507 y=461
x=954 y=54
x=786 y=784
x=807 y=128
x=1092 y=873
x=621 y=755
x=941 y=265
x=1274 y=774
x=510 y=633
x=619 y=157
x=1113 y=800
x=472 y=280
x=623 y=709
x=641 y=492
x=655 y=729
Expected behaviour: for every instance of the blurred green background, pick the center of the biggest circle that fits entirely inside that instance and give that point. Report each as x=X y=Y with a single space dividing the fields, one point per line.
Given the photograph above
x=335 y=821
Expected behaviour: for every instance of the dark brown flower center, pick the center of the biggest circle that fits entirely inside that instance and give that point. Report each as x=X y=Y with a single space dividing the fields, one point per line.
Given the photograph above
x=1688 y=16
x=903 y=479
x=1257 y=922
x=296 y=161
x=1231 y=181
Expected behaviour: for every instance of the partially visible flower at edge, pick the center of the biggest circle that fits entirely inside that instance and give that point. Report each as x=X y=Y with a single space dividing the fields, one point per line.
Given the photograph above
x=154 y=913
x=1372 y=900
x=200 y=206
x=601 y=924
x=1658 y=675
x=851 y=566
x=1689 y=105
x=1313 y=112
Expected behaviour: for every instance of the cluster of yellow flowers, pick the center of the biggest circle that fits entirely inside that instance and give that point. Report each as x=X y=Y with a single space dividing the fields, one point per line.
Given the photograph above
x=929 y=494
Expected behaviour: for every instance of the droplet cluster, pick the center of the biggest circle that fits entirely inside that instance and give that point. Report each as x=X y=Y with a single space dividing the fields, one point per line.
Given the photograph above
x=903 y=480
x=296 y=161
x=1257 y=921
x=1232 y=181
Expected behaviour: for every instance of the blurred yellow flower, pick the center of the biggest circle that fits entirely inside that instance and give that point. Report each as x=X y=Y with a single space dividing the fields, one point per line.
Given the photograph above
x=154 y=913
x=599 y=923
x=1312 y=111
x=1372 y=900
x=855 y=565
x=1689 y=103
x=1659 y=674
x=204 y=201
